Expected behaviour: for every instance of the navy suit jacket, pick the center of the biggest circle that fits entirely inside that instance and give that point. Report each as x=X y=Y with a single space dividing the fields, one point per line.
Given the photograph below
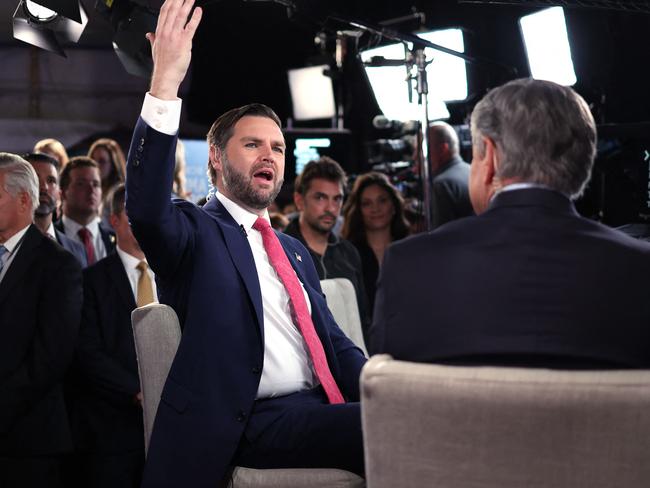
x=206 y=272
x=40 y=309
x=529 y=281
x=105 y=416
x=73 y=247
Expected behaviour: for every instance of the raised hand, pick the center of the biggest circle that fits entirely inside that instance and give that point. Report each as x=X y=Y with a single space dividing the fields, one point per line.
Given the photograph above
x=171 y=46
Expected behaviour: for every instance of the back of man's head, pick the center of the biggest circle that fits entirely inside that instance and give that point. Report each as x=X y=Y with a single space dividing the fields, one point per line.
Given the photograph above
x=441 y=133
x=324 y=168
x=116 y=199
x=544 y=133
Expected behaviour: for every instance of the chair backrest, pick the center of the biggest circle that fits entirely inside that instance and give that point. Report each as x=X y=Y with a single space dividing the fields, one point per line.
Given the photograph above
x=342 y=302
x=489 y=427
x=157 y=333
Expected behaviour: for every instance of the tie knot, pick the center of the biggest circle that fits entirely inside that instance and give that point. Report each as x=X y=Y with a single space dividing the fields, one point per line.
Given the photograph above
x=142 y=266
x=83 y=233
x=261 y=224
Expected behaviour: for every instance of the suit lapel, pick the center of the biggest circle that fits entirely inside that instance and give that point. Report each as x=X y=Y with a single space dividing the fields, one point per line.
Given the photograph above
x=118 y=276
x=241 y=255
x=26 y=254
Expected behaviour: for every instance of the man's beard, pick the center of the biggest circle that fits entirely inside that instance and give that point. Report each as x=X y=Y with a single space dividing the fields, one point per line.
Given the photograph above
x=45 y=207
x=241 y=187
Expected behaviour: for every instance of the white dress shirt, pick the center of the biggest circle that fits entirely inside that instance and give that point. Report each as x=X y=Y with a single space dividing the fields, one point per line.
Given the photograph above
x=70 y=229
x=287 y=365
x=130 y=264
x=12 y=245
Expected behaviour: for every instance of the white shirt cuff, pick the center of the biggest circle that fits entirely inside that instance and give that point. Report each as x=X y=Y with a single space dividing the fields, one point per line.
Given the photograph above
x=162 y=115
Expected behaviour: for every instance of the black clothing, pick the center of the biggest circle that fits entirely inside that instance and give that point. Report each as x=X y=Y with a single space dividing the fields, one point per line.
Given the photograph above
x=450 y=192
x=528 y=278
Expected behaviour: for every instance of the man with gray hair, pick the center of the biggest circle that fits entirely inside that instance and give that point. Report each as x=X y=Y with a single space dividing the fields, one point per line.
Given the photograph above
x=450 y=175
x=40 y=310
x=528 y=281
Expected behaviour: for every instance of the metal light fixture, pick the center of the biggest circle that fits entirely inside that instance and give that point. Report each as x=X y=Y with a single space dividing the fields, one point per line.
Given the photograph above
x=49 y=23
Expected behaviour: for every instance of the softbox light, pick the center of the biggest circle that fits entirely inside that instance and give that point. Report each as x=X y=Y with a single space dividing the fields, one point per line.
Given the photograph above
x=312 y=93
x=42 y=25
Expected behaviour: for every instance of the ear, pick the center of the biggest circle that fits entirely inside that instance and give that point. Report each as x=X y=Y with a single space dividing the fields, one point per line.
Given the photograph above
x=299 y=201
x=489 y=161
x=24 y=202
x=215 y=158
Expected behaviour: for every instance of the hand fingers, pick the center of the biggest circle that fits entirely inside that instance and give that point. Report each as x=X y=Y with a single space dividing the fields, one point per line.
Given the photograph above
x=194 y=21
x=168 y=14
x=151 y=37
x=182 y=15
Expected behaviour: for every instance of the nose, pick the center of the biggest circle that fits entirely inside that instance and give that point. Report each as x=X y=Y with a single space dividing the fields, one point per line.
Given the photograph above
x=267 y=153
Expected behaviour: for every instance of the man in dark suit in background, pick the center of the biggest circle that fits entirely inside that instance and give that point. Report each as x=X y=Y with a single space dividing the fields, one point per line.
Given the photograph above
x=450 y=175
x=528 y=281
x=107 y=414
x=81 y=192
x=47 y=170
x=40 y=308
x=263 y=377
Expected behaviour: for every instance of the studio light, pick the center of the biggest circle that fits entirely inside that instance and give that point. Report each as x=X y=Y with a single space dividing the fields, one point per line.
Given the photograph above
x=49 y=24
x=312 y=93
x=447 y=77
x=130 y=21
x=547 y=46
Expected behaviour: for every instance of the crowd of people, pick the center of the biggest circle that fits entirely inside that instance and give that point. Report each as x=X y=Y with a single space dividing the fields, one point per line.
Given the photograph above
x=263 y=377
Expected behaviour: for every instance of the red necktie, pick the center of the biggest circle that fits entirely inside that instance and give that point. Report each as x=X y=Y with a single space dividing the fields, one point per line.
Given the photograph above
x=299 y=309
x=86 y=238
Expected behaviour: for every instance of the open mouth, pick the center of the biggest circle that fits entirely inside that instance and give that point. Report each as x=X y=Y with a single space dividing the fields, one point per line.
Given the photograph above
x=264 y=174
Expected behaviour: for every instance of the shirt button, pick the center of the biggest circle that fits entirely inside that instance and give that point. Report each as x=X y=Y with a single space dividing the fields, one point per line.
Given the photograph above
x=161 y=110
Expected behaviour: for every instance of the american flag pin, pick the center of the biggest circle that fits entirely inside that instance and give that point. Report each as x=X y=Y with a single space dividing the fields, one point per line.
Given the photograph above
x=298 y=257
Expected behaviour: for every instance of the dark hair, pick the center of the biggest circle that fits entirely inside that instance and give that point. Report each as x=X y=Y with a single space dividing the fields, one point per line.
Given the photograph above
x=324 y=168
x=223 y=128
x=74 y=163
x=353 y=228
x=39 y=157
x=118 y=161
x=116 y=199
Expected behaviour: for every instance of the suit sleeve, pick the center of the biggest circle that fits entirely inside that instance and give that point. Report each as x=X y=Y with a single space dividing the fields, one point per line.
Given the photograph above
x=105 y=374
x=162 y=229
x=50 y=353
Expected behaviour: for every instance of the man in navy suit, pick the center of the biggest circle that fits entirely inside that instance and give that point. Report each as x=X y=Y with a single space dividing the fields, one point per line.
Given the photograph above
x=528 y=281
x=81 y=192
x=107 y=422
x=47 y=170
x=242 y=389
x=40 y=308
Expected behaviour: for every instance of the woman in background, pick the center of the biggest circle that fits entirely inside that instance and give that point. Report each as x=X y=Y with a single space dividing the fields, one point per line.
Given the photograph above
x=374 y=217
x=112 y=164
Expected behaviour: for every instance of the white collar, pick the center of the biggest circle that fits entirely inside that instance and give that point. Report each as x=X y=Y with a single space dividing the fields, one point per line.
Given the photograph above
x=74 y=226
x=50 y=231
x=128 y=260
x=11 y=243
x=242 y=216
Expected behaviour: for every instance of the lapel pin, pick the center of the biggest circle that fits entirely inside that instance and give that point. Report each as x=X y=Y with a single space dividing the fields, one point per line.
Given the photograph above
x=298 y=257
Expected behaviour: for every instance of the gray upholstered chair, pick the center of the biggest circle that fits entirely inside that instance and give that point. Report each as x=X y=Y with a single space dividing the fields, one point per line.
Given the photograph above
x=342 y=302
x=488 y=427
x=157 y=333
